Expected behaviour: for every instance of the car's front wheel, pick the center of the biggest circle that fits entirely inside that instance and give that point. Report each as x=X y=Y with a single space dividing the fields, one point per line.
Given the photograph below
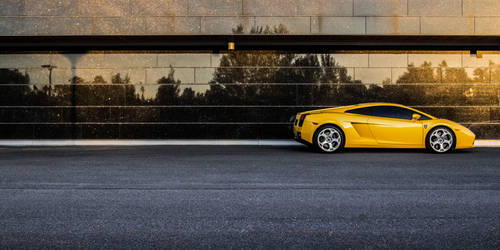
x=329 y=139
x=440 y=140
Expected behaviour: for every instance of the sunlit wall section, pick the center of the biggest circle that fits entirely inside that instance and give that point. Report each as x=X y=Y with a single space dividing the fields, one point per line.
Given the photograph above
x=219 y=17
x=241 y=94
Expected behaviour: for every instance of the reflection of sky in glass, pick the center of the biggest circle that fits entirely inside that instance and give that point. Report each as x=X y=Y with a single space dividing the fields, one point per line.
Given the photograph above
x=351 y=60
x=184 y=60
x=452 y=60
x=136 y=76
x=149 y=90
x=185 y=75
x=77 y=60
x=473 y=61
x=350 y=73
x=37 y=76
x=396 y=73
x=388 y=60
x=204 y=75
x=373 y=75
x=215 y=59
x=24 y=60
x=64 y=76
x=129 y=60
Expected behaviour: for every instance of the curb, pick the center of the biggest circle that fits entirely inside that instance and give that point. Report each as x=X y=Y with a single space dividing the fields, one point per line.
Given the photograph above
x=487 y=143
x=59 y=143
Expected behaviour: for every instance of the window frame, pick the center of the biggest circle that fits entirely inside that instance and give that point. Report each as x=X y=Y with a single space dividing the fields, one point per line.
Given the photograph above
x=422 y=116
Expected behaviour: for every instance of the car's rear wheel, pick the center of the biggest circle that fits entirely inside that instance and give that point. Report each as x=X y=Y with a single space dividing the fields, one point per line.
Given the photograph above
x=440 y=140
x=329 y=139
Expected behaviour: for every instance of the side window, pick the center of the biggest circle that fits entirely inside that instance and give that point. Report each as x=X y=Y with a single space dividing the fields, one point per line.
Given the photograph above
x=387 y=111
x=361 y=111
x=393 y=112
x=424 y=117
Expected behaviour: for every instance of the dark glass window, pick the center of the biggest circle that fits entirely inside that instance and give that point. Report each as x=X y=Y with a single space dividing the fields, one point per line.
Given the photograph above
x=423 y=117
x=387 y=111
x=361 y=111
x=243 y=94
x=393 y=112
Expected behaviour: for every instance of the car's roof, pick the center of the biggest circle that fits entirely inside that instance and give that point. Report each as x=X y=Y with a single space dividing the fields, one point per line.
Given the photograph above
x=371 y=104
x=342 y=109
x=368 y=104
x=362 y=105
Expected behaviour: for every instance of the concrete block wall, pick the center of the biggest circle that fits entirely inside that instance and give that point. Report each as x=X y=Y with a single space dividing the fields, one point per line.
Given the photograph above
x=332 y=17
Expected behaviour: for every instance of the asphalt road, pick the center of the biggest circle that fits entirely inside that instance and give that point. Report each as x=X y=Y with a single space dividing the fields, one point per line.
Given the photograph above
x=247 y=197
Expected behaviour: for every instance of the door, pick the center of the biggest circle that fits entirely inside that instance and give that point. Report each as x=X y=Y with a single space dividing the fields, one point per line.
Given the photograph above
x=392 y=125
x=396 y=131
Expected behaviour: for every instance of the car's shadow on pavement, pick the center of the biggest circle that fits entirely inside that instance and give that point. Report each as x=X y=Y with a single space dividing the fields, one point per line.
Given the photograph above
x=306 y=149
x=400 y=150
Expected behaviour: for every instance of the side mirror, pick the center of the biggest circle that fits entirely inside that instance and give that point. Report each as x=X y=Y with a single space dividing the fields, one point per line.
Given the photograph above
x=415 y=116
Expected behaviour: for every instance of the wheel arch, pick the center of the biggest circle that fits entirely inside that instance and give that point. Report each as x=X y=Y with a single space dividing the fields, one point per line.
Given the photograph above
x=440 y=125
x=328 y=124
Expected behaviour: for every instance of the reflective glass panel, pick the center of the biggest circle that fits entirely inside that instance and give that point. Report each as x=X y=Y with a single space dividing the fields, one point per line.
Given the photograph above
x=237 y=94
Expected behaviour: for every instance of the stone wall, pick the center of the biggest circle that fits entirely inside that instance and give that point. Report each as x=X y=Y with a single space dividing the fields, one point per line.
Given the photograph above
x=332 y=17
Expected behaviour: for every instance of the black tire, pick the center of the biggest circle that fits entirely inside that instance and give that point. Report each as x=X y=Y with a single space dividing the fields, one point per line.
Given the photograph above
x=438 y=145
x=335 y=143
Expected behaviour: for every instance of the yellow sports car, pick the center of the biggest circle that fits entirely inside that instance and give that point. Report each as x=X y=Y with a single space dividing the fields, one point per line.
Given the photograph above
x=379 y=125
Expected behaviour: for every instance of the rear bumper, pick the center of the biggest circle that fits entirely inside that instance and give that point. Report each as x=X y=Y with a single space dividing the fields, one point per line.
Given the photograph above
x=299 y=139
x=303 y=133
x=297 y=136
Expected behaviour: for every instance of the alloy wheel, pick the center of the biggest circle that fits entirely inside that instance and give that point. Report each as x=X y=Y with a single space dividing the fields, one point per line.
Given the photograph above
x=329 y=139
x=441 y=140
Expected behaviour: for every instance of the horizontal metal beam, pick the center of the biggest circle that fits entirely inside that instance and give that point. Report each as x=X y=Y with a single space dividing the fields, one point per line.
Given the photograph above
x=249 y=42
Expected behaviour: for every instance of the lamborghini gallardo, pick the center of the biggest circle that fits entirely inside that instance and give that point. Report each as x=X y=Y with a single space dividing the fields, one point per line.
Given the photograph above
x=379 y=125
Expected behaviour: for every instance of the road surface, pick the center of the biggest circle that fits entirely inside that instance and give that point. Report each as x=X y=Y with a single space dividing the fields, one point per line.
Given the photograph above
x=201 y=197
